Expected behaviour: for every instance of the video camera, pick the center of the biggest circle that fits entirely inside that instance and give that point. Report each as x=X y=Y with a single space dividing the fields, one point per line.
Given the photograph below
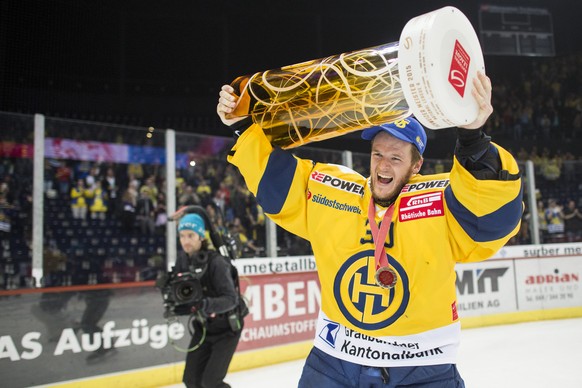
x=179 y=289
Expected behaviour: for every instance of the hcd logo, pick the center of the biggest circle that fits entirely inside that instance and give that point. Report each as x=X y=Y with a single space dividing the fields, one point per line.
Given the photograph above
x=362 y=301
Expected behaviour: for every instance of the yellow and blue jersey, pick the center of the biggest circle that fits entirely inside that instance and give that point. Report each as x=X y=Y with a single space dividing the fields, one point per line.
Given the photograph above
x=438 y=221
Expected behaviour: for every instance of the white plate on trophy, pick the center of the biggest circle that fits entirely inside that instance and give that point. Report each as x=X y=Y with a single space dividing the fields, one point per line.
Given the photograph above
x=438 y=57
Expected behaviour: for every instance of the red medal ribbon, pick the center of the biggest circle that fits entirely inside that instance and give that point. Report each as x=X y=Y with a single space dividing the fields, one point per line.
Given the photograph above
x=379 y=236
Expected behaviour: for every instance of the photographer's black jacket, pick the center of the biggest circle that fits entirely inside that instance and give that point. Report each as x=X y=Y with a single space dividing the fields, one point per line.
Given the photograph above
x=220 y=295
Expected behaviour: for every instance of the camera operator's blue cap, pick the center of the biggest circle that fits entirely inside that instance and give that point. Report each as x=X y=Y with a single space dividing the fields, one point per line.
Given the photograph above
x=408 y=130
x=194 y=223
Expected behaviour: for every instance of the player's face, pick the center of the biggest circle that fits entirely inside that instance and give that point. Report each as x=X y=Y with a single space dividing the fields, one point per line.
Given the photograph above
x=191 y=242
x=391 y=166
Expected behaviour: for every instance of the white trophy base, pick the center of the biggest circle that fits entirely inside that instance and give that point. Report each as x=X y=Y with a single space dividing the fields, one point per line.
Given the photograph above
x=438 y=57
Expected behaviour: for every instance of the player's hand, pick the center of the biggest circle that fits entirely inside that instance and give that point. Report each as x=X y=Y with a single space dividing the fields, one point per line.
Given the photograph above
x=227 y=103
x=482 y=94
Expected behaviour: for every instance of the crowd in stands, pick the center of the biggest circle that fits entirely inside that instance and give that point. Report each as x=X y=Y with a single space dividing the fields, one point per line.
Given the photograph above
x=135 y=194
x=537 y=99
x=129 y=199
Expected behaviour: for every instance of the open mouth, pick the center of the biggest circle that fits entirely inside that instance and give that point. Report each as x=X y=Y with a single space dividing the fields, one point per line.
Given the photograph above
x=384 y=180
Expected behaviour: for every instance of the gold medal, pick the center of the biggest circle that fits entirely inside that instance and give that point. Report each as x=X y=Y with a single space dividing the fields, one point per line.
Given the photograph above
x=386 y=277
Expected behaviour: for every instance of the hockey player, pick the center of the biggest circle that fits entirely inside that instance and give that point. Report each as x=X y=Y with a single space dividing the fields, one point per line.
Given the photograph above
x=386 y=246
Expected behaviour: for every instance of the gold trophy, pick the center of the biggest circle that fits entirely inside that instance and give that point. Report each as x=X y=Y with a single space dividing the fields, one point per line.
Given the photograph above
x=324 y=98
x=427 y=73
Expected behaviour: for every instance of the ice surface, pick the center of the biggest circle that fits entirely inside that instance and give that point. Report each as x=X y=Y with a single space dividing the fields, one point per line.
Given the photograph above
x=537 y=354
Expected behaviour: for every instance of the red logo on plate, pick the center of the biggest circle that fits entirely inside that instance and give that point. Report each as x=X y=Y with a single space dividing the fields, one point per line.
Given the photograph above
x=459 y=69
x=421 y=206
x=454 y=309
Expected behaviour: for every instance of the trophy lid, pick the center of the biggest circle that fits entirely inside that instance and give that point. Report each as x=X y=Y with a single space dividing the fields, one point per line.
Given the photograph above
x=438 y=56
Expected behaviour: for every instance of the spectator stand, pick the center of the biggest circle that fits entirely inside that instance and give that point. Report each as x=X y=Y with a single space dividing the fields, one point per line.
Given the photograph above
x=109 y=247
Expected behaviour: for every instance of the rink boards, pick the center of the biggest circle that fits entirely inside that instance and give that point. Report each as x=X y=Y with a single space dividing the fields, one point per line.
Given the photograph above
x=46 y=340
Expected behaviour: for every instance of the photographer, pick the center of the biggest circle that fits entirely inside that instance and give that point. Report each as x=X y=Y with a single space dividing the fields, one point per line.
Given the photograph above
x=207 y=364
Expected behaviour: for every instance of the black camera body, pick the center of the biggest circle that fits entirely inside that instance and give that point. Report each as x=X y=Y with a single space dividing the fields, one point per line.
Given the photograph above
x=182 y=288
